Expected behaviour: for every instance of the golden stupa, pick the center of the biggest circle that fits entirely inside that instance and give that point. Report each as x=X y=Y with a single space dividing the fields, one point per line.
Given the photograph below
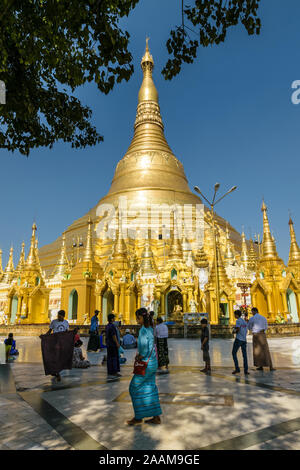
x=115 y=263
x=148 y=173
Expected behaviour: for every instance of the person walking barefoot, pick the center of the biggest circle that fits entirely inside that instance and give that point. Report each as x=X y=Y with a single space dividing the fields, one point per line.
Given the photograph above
x=143 y=389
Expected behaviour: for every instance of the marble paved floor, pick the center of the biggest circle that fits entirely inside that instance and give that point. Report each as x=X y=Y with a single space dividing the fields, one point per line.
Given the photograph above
x=220 y=411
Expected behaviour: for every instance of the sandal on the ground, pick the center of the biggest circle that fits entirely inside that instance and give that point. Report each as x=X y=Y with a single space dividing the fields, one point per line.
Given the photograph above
x=154 y=420
x=133 y=422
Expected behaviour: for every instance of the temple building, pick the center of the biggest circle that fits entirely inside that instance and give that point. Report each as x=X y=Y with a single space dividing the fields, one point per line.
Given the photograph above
x=149 y=242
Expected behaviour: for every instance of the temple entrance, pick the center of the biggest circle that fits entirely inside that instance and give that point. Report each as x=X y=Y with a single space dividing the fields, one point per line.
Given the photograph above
x=292 y=305
x=224 y=309
x=261 y=301
x=174 y=305
x=73 y=305
x=37 y=307
x=14 y=309
x=107 y=304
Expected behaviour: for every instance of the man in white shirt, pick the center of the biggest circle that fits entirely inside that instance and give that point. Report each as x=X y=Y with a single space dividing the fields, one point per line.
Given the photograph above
x=162 y=333
x=261 y=354
x=58 y=326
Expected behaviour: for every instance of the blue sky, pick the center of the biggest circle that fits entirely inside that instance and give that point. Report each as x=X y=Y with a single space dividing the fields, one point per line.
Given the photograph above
x=228 y=118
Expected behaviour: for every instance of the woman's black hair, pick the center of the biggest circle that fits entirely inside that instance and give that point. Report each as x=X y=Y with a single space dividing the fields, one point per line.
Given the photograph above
x=110 y=317
x=10 y=335
x=148 y=319
x=159 y=320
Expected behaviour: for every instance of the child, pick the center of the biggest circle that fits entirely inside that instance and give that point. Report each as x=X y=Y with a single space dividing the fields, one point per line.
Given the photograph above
x=79 y=362
x=10 y=344
x=205 y=346
x=102 y=339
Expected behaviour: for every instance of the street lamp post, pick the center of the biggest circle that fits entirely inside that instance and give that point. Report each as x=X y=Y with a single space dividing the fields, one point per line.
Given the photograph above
x=212 y=205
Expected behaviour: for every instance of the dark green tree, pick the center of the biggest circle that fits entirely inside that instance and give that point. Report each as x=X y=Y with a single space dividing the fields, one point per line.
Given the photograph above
x=48 y=48
x=206 y=23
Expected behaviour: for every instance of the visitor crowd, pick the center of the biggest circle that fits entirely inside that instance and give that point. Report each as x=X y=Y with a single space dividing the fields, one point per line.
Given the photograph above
x=63 y=350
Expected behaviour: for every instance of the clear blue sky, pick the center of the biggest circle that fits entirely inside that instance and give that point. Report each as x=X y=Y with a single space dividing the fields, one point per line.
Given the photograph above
x=228 y=118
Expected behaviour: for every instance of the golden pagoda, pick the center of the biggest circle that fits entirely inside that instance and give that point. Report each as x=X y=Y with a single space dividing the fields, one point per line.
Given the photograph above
x=148 y=242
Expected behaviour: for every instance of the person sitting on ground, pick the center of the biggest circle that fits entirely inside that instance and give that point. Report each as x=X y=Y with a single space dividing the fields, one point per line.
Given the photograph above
x=77 y=335
x=79 y=361
x=129 y=341
x=122 y=358
x=8 y=345
x=13 y=350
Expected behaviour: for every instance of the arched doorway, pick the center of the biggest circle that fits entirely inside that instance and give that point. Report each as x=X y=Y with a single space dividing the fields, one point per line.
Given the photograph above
x=107 y=304
x=174 y=304
x=14 y=309
x=73 y=305
x=261 y=301
x=292 y=305
x=37 y=307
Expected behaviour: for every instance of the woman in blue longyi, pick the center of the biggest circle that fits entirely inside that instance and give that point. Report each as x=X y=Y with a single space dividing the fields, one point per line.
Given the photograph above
x=143 y=389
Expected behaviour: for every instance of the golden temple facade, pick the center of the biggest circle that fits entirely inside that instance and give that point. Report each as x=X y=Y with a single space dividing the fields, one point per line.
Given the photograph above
x=149 y=242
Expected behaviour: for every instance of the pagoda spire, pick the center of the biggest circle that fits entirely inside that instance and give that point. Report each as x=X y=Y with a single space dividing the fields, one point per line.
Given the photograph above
x=32 y=262
x=21 y=263
x=229 y=255
x=149 y=161
x=148 y=126
x=244 y=251
x=147 y=260
x=9 y=270
x=63 y=263
x=120 y=248
x=175 y=247
x=252 y=263
x=294 y=257
x=222 y=275
x=88 y=252
x=268 y=244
